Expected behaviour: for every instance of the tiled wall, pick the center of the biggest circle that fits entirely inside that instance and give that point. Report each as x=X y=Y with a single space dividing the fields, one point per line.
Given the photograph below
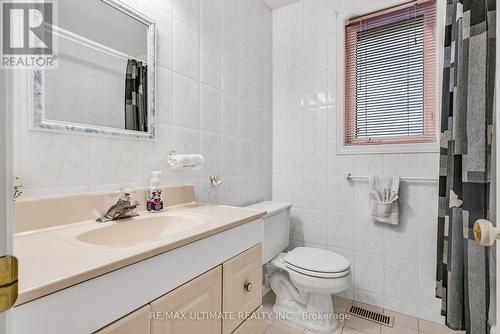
x=393 y=266
x=214 y=93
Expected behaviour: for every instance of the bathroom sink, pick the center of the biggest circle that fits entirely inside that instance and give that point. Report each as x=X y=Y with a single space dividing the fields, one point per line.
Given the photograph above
x=139 y=230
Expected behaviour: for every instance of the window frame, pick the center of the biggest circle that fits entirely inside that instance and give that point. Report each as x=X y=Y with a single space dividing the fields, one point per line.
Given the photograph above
x=381 y=147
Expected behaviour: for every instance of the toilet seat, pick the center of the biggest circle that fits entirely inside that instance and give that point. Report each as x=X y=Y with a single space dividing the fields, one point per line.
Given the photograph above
x=317 y=274
x=317 y=262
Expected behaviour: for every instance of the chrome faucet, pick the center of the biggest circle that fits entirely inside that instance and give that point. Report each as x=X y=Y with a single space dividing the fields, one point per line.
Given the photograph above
x=124 y=208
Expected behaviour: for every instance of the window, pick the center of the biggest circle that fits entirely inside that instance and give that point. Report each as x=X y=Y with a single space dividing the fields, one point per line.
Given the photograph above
x=390 y=76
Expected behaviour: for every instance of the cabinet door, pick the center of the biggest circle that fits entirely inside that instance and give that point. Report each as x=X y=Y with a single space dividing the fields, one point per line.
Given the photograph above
x=242 y=286
x=254 y=325
x=174 y=313
x=135 y=323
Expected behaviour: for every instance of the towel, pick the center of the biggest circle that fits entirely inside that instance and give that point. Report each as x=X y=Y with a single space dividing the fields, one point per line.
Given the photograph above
x=186 y=161
x=384 y=195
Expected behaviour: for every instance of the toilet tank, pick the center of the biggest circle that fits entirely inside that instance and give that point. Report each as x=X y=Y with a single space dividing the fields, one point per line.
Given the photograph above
x=276 y=228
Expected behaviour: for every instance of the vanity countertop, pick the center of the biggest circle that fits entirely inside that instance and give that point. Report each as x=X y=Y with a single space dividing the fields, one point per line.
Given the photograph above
x=54 y=258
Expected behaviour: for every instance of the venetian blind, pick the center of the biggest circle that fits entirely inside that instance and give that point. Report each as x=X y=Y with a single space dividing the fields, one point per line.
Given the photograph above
x=390 y=85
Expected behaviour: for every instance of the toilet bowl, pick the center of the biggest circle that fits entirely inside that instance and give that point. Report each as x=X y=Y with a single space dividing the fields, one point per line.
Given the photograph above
x=304 y=285
x=305 y=278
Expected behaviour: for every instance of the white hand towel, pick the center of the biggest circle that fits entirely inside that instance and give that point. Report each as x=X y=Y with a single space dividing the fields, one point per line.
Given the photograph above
x=186 y=161
x=384 y=195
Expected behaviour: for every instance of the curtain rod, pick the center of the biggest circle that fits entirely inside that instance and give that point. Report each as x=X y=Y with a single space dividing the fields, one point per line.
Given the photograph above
x=385 y=11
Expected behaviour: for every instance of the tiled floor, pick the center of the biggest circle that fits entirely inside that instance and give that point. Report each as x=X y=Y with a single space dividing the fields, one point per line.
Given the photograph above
x=403 y=324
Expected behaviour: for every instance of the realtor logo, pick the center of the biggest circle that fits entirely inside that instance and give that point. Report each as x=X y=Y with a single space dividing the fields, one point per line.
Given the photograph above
x=27 y=35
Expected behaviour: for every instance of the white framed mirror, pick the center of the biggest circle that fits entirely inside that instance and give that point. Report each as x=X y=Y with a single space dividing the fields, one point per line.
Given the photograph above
x=105 y=80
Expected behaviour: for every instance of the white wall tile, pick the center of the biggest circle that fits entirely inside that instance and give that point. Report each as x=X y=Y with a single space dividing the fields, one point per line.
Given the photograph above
x=427 y=201
x=211 y=63
x=289 y=126
x=230 y=25
x=369 y=164
x=368 y=236
x=315 y=124
x=369 y=272
x=210 y=147
x=315 y=158
x=210 y=109
x=315 y=192
x=230 y=115
x=164 y=100
x=368 y=297
x=247 y=120
x=230 y=156
x=315 y=89
x=211 y=20
x=315 y=55
x=427 y=240
x=401 y=241
x=340 y=195
x=401 y=164
x=186 y=50
x=186 y=102
x=315 y=18
x=288 y=188
x=230 y=74
x=341 y=230
x=313 y=224
x=401 y=279
x=188 y=11
x=339 y=165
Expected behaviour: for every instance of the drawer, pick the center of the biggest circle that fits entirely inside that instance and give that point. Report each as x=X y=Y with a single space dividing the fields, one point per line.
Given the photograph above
x=241 y=286
x=136 y=322
x=251 y=326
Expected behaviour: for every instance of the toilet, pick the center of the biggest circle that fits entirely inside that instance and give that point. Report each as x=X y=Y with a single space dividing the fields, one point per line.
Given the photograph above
x=304 y=278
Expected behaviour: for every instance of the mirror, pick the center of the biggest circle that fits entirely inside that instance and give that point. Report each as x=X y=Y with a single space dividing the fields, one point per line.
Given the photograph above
x=104 y=82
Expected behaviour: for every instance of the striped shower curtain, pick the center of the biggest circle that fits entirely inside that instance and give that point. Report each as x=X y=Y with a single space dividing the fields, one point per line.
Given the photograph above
x=136 y=108
x=465 y=167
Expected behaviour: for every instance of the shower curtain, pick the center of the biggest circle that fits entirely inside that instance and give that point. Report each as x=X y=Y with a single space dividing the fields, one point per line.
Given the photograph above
x=136 y=115
x=465 y=165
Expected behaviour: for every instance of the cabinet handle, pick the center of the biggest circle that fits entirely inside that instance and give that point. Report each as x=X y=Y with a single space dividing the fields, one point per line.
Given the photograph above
x=248 y=286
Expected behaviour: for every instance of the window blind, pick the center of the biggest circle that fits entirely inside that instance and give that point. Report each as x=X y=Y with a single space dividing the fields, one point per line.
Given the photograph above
x=390 y=67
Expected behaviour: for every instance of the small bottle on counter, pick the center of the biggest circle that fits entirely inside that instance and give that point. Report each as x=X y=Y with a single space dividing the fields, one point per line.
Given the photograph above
x=154 y=197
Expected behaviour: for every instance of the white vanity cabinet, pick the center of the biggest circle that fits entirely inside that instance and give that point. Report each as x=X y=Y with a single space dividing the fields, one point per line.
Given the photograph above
x=136 y=322
x=209 y=274
x=233 y=289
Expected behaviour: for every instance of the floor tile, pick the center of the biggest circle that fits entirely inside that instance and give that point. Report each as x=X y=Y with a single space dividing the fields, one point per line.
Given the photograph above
x=348 y=330
x=363 y=325
x=435 y=328
x=280 y=329
x=340 y=304
x=398 y=329
x=289 y=324
x=403 y=319
x=267 y=324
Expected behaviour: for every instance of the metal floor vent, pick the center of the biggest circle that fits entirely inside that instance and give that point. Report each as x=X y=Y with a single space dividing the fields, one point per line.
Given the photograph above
x=377 y=317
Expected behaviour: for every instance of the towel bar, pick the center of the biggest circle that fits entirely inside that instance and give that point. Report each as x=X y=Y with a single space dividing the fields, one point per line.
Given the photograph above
x=349 y=176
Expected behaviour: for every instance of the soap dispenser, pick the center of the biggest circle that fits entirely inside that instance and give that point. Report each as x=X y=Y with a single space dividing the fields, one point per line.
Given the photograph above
x=155 y=198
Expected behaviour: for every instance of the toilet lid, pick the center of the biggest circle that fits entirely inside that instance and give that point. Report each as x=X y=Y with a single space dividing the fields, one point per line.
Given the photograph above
x=316 y=260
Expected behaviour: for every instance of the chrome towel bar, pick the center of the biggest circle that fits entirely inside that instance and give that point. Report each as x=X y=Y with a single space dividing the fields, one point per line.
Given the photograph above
x=349 y=176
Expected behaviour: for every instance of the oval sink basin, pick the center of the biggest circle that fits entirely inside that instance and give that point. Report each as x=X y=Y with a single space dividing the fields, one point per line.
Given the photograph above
x=139 y=230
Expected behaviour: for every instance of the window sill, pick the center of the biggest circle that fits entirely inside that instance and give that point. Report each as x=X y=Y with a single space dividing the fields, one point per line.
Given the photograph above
x=389 y=148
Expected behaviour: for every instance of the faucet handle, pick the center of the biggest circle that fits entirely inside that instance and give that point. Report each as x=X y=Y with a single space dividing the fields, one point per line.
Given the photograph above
x=126 y=193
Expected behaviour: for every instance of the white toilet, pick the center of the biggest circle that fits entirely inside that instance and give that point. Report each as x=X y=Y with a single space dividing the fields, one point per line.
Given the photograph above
x=306 y=277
